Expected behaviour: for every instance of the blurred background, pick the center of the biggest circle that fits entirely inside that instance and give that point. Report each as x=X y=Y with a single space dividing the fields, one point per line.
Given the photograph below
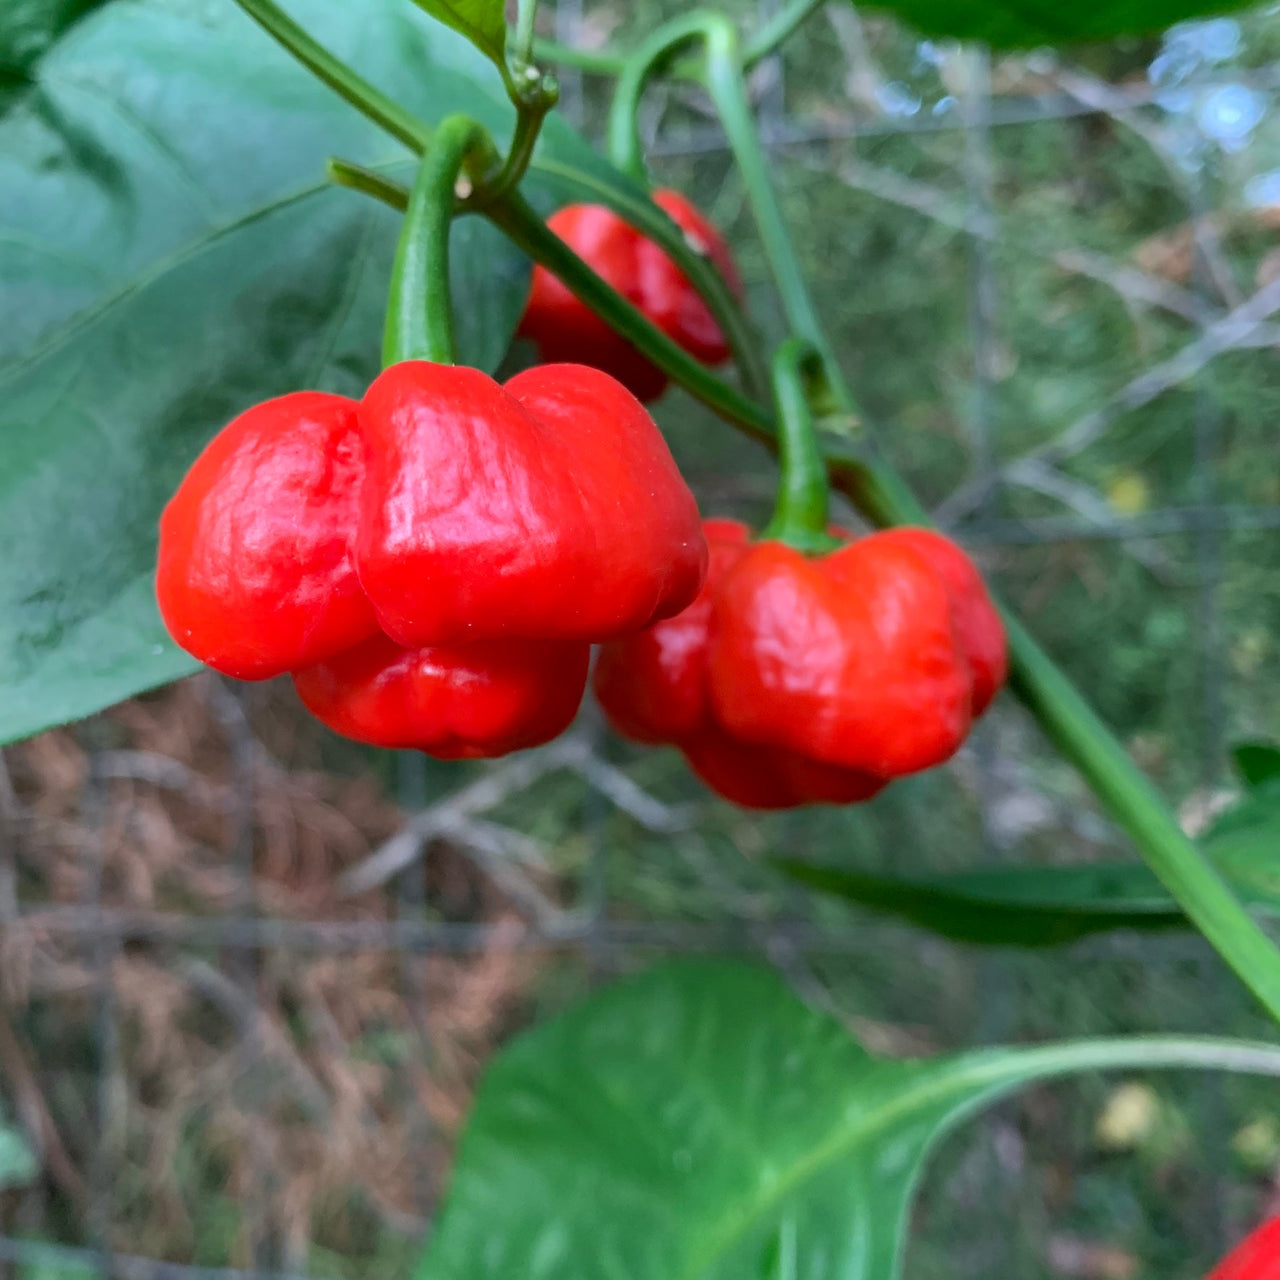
x=249 y=973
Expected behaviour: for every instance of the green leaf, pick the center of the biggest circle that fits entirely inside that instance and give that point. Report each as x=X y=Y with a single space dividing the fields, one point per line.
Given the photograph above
x=28 y=28
x=701 y=1123
x=170 y=253
x=1007 y=24
x=1036 y=906
x=1015 y=906
x=483 y=22
x=18 y=1165
x=1256 y=761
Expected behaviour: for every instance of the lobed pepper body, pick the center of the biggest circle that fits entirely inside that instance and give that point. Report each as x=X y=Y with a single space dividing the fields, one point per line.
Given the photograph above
x=432 y=562
x=795 y=679
x=1257 y=1258
x=563 y=328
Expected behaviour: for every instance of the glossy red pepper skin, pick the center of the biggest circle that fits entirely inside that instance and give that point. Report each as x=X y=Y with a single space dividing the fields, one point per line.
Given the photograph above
x=564 y=329
x=476 y=700
x=1257 y=1258
x=859 y=658
x=548 y=509
x=654 y=688
x=255 y=575
x=795 y=680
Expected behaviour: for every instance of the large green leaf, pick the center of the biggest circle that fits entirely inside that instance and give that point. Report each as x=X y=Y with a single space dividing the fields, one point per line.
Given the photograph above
x=1026 y=23
x=170 y=254
x=1036 y=906
x=701 y=1123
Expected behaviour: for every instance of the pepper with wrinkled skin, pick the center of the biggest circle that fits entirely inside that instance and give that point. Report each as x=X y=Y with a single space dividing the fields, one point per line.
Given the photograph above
x=1257 y=1258
x=549 y=508
x=862 y=658
x=255 y=574
x=654 y=688
x=795 y=679
x=434 y=562
x=474 y=700
x=563 y=328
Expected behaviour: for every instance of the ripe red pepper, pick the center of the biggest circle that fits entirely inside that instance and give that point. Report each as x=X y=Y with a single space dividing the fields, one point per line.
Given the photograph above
x=1257 y=1258
x=550 y=508
x=255 y=574
x=565 y=329
x=480 y=699
x=494 y=533
x=795 y=680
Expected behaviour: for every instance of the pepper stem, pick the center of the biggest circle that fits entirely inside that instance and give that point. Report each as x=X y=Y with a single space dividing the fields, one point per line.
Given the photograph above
x=800 y=515
x=419 y=309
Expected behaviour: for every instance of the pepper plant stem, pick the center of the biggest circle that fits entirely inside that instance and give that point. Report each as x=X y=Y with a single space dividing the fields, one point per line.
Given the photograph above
x=420 y=308
x=337 y=75
x=800 y=517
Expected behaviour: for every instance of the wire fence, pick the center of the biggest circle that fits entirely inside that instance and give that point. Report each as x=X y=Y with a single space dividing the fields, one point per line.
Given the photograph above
x=77 y=930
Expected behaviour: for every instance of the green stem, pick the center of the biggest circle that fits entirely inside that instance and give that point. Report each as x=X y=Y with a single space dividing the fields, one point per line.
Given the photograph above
x=526 y=229
x=419 y=310
x=623 y=132
x=358 y=177
x=800 y=517
x=529 y=120
x=526 y=20
x=595 y=62
x=337 y=75
x=779 y=29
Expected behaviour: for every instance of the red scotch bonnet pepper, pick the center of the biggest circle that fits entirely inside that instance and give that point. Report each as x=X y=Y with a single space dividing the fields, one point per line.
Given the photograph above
x=1258 y=1258
x=563 y=328
x=795 y=679
x=433 y=562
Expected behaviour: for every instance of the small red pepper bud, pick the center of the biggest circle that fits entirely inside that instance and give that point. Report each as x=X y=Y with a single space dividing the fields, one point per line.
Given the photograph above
x=482 y=699
x=1257 y=1258
x=565 y=329
x=794 y=680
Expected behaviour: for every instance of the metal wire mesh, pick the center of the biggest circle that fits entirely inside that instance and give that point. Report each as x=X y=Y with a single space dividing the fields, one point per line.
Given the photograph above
x=232 y=955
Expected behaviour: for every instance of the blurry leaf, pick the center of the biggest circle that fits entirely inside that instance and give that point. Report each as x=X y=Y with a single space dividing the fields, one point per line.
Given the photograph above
x=28 y=28
x=483 y=22
x=1014 y=906
x=170 y=253
x=17 y=1163
x=1256 y=761
x=1015 y=24
x=701 y=1123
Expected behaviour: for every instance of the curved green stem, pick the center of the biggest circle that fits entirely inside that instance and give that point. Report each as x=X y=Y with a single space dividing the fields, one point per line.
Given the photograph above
x=622 y=133
x=800 y=516
x=780 y=28
x=596 y=62
x=420 y=309
x=526 y=16
x=337 y=75
x=529 y=120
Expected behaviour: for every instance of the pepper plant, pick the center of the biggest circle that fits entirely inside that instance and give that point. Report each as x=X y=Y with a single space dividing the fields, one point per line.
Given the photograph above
x=806 y=1165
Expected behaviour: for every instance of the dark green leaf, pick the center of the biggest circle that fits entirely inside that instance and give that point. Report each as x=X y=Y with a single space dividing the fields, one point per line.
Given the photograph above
x=701 y=1123
x=1015 y=906
x=170 y=254
x=1009 y=24
x=483 y=22
x=1028 y=906
x=28 y=29
x=1256 y=761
